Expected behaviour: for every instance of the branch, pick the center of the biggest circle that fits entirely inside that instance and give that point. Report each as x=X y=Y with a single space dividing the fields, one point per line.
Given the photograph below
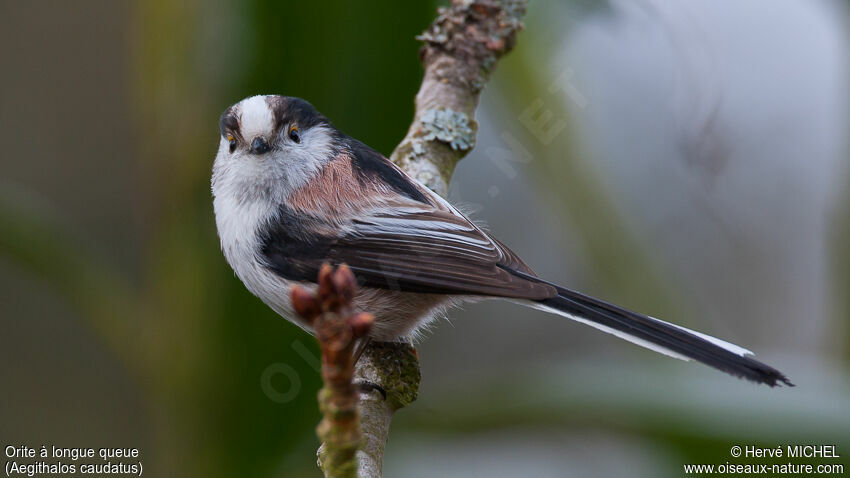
x=329 y=312
x=462 y=46
x=461 y=49
x=395 y=368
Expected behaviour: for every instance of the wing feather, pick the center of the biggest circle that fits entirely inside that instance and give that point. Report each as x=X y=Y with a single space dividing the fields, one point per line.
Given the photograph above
x=412 y=247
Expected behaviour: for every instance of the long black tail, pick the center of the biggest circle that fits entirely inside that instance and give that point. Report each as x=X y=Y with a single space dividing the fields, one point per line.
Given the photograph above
x=660 y=336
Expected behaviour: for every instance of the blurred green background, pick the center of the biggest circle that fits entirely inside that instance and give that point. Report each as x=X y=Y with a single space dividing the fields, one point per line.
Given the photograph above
x=699 y=177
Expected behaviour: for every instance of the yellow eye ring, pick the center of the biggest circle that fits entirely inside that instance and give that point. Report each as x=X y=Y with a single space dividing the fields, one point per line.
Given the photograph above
x=294 y=135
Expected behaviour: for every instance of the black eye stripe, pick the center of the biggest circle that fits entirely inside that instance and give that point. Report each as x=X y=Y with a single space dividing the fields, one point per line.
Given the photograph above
x=229 y=122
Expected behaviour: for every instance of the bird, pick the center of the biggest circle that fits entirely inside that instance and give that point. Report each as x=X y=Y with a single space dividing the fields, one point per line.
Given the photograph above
x=292 y=192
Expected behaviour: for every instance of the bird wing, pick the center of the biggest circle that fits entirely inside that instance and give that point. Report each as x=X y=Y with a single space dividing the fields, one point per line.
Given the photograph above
x=409 y=246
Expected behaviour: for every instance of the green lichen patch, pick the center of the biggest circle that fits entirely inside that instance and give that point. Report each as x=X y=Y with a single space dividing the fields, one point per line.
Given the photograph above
x=448 y=126
x=418 y=148
x=398 y=373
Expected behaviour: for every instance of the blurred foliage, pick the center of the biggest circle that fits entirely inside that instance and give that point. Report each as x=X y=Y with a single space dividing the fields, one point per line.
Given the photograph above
x=583 y=204
x=693 y=418
x=841 y=267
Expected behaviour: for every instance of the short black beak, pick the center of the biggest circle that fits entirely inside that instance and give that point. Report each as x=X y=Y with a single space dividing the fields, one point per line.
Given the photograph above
x=259 y=145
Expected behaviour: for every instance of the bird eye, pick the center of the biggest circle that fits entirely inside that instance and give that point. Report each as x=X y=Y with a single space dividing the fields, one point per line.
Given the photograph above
x=294 y=135
x=232 y=141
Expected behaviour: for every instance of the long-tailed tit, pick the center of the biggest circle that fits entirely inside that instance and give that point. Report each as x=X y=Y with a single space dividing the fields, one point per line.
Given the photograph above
x=292 y=192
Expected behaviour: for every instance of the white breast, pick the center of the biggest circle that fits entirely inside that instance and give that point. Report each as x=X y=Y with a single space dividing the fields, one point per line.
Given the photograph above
x=239 y=222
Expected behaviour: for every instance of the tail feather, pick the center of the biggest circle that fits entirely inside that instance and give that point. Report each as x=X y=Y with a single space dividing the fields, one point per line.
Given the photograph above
x=663 y=337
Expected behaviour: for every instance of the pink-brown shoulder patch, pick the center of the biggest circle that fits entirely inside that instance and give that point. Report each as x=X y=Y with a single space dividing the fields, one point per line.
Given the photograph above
x=336 y=190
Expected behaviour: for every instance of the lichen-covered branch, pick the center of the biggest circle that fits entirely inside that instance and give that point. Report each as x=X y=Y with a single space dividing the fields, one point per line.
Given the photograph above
x=395 y=368
x=462 y=46
x=461 y=49
x=337 y=328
